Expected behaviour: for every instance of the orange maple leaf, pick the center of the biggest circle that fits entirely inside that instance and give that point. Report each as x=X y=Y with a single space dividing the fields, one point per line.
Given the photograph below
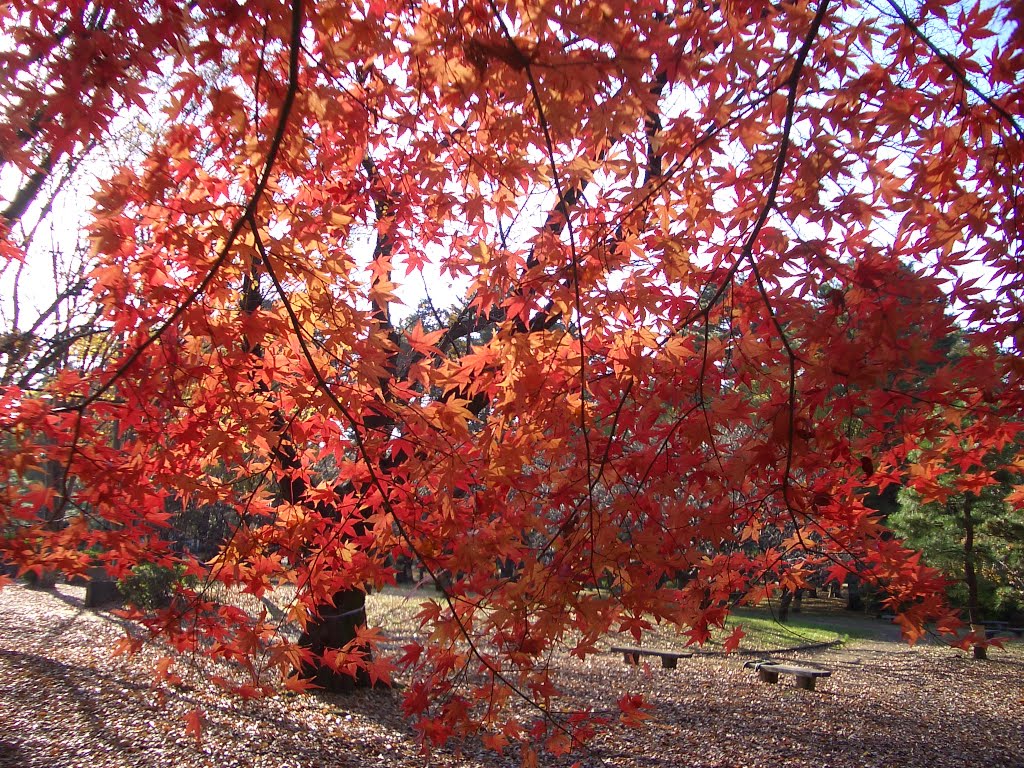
x=732 y=642
x=194 y=721
x=297 y=684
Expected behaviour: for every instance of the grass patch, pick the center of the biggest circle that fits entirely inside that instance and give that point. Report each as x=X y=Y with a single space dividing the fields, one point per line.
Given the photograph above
x=761 y=633
x=395 y=609
x=765 y=633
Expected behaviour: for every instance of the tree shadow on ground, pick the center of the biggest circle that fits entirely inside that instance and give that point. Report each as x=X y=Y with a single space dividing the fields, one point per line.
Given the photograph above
x=11 y=754
x=69 y=694
x=870 y=713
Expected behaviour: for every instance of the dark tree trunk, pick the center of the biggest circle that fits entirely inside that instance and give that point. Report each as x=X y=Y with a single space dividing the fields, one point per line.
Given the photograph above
x=971 y=576
x=335 y=628
x=798 y=601
x=854 y=601
x=784 y=603
x=506 y=568
x=46 y=580
x=403 y=570
x=332 y=626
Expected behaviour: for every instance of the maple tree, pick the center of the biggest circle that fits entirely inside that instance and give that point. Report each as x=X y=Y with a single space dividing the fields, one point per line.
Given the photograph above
x=707 y=249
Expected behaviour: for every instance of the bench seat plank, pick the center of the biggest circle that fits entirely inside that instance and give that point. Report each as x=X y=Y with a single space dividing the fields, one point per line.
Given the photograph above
x=806 y=677
x=798 y=671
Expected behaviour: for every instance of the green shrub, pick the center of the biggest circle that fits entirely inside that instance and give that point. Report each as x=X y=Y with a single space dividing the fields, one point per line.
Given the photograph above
x=151 y=586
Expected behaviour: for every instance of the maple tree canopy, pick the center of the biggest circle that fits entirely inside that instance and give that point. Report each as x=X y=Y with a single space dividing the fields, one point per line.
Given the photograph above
x=713 y=255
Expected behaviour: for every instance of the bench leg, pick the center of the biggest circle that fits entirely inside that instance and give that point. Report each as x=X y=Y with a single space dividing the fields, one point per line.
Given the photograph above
x=807 y=683
x=767 y=675
x=100 y=593
x=668 y=662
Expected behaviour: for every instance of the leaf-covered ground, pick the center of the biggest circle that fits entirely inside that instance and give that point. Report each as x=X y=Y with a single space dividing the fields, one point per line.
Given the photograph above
x=64 y=701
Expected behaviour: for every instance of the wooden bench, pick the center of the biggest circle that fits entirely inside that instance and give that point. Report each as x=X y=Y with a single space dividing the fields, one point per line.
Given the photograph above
x=668 y=658
x=769 y=672
x=1003 y=632
x=995 y=628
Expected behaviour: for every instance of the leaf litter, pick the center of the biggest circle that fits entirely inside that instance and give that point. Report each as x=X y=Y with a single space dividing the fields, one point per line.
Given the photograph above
x=67 y=702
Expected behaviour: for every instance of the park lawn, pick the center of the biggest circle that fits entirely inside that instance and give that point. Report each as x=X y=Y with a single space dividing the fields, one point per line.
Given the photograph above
x=763 y=632
x=395 y=609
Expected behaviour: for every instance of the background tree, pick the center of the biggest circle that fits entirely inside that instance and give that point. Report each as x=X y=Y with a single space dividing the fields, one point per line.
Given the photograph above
x=964 y=525
x=644 y=201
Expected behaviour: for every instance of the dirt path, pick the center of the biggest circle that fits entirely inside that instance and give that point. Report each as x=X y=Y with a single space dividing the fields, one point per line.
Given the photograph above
x=65 y=703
